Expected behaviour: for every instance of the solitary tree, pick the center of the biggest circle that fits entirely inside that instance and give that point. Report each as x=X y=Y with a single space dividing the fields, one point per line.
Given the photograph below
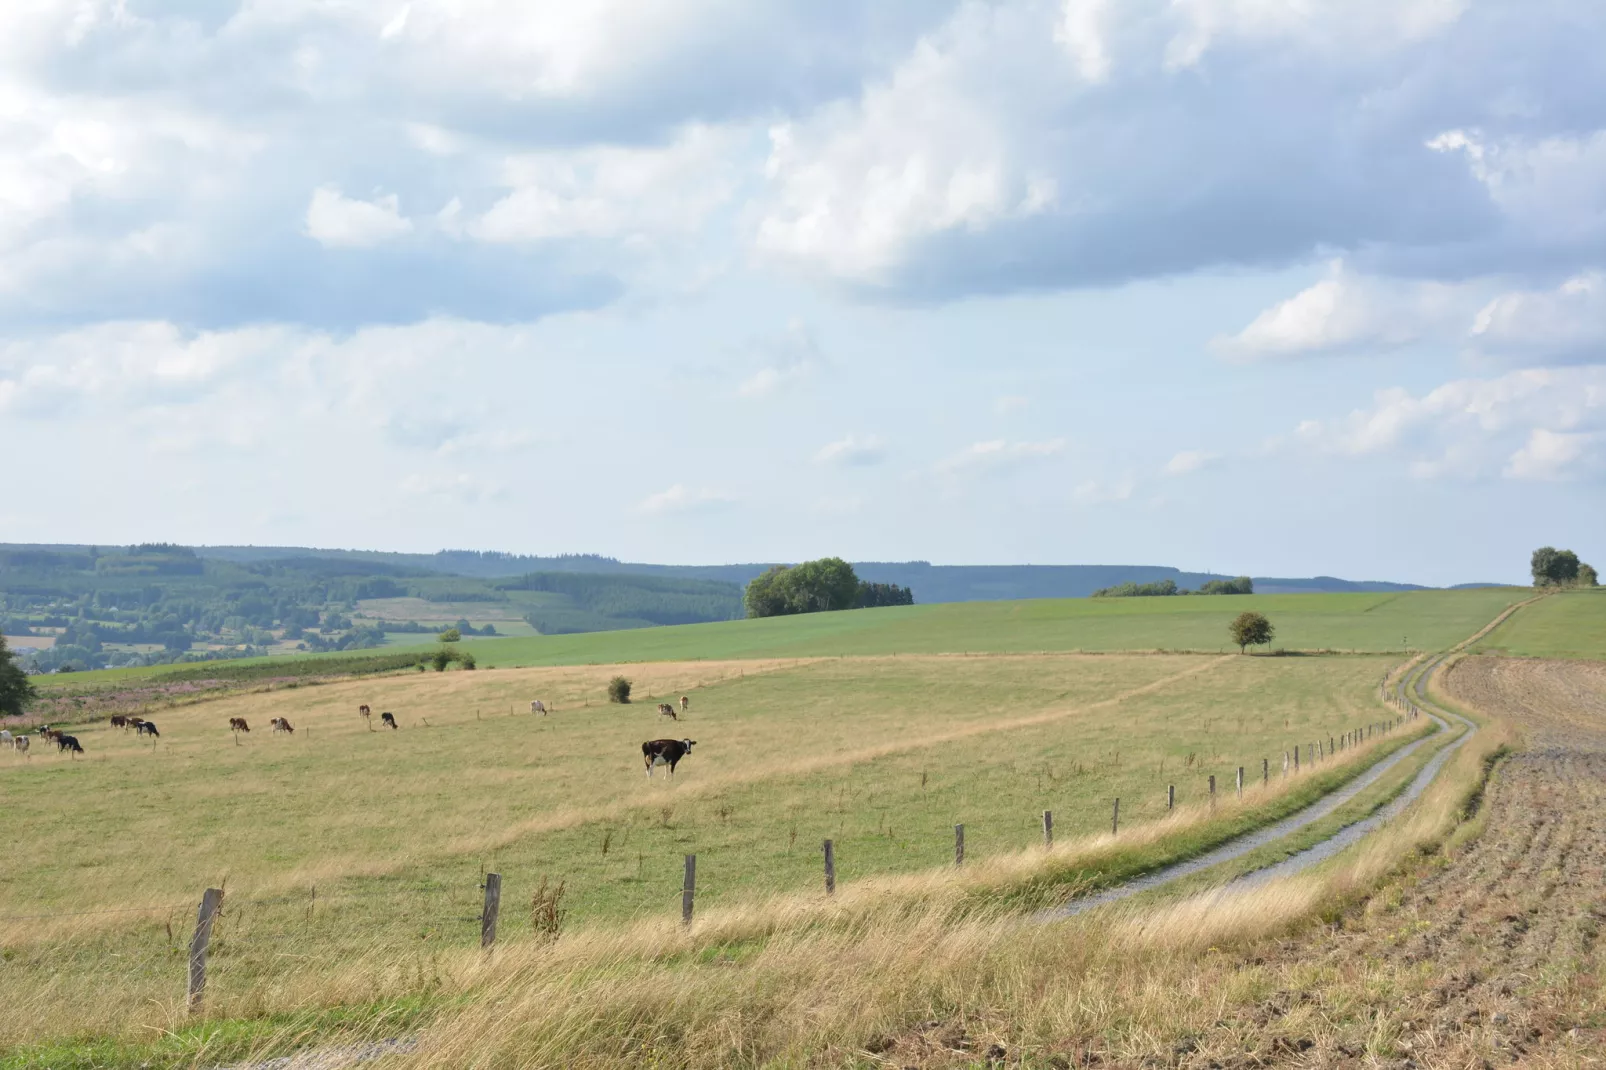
x=1251 y=629
x=1587 y=576
x=451 y=635
x=1554 y=568
x=15 y=687
x=618 y=689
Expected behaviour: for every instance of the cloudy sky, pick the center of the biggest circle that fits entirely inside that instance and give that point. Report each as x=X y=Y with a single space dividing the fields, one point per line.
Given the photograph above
x=1273 y=286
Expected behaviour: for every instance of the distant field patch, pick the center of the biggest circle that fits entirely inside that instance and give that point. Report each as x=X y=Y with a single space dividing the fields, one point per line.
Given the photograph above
x=38 y=642
x=1567 y=625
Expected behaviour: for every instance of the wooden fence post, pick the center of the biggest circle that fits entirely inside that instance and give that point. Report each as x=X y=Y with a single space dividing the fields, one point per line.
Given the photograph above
x=493 y=907
x=1285 y=763
x=1048 y=828
x=1212 y=791
x=1329 y=746
x=1170 y=796
x=1296 y=759
x=1115 y=818
x=210 y=901
x=688 y=890
x=959 y=845
x=1240 y=782
x=1265 y=772
x=830 y=869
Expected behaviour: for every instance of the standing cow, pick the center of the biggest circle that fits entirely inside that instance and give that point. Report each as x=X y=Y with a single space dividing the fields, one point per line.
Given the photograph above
x=538 y=707
x=69 y=744
x=366 y=713
x=666 y=752
x=147 y=728
x=20 y=744
x=685 y=703
x=282 y=724
x=237 y=724
x=5 y=739
x=666 y=710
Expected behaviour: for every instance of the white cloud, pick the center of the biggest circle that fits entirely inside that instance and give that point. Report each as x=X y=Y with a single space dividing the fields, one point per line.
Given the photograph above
x=337 y=221
x=611 y=191
x=1567 y=322
x=1081 y=32
x=998 y=453
x=1188 y=461
x=1099 y=492
x=1335 y=24
x=852 y=450
x=681 y=499
x=463 y=487
x=1346 y=312
x=1538 y=423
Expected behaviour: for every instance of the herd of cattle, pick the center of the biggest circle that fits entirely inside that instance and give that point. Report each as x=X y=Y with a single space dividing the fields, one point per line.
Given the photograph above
x=654 y=752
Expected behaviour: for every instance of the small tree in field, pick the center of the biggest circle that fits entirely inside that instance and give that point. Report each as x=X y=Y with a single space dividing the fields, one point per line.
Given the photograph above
x=619 y=689
x=1251 y=629
x=451 y=635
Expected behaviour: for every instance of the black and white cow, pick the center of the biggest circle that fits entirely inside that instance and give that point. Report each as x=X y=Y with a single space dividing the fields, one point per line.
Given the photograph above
x=147 y=728
x=388 y=718
x=666 y=752
x=69 y=744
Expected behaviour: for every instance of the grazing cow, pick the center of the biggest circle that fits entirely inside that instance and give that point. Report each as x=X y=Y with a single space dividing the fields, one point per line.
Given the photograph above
x=237 y=724
x=538 y=707
x=49 y=734
x=282 y=724
x=5 y=738
x=135 y=722
x=666 y=752
x=365 y=711
x=666 y=710
x=20 y=744
x=147 y=728
x=119 y=721
x=388 y=718
x=69 y=744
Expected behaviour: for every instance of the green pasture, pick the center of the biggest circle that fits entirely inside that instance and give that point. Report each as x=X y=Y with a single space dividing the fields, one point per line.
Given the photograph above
x=1571 y=624
x=339 y=842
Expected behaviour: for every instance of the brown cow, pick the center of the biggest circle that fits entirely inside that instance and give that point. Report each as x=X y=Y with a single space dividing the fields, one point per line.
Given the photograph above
x=237 y=724
x=119 y=721
x=365 y=711
x=685 y=704
x=282 y=724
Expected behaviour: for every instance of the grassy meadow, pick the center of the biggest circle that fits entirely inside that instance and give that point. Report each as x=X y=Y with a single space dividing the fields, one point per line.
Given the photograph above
x=1571 y=624
x=355 y=857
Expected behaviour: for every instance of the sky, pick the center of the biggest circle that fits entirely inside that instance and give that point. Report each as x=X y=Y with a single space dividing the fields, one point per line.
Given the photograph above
x=1281 y=287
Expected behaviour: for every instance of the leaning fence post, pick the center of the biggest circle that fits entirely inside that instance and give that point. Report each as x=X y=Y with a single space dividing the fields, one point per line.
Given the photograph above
x=688 y=890
x=1115 y=818
x=493 y=907
x=1170 y=796
x=959 y=845
x=210 y=901
x=830 y=869
x=1048 y=828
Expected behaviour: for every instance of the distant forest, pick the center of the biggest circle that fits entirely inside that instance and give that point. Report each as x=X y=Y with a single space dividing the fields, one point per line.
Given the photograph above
x=102 y=607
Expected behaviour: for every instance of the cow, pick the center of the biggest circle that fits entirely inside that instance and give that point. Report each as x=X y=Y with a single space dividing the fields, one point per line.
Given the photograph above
x=666 y=752
x=147 y=728
x=20 y=744
x=119 y=720
x=388 y=718
x=49 y=734
x=135 y=722
x=237 y=724
x=282 y=724
x=5 y=739
x=685 y=703
x=69 y=744
x=538 y=707
x=364 y=711
x=666 y=710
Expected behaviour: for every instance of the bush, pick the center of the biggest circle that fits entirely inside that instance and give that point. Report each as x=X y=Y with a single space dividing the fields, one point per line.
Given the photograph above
x=442 y=658
x=466 y=659
x=619 y=690
x=451 y=635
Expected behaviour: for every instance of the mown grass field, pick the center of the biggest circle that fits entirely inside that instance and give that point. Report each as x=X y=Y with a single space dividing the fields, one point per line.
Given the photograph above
x=340 y=846
x=1571 y=624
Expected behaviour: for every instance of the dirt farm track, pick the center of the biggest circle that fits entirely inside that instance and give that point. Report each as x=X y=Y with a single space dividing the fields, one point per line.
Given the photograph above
x=1496 y=953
